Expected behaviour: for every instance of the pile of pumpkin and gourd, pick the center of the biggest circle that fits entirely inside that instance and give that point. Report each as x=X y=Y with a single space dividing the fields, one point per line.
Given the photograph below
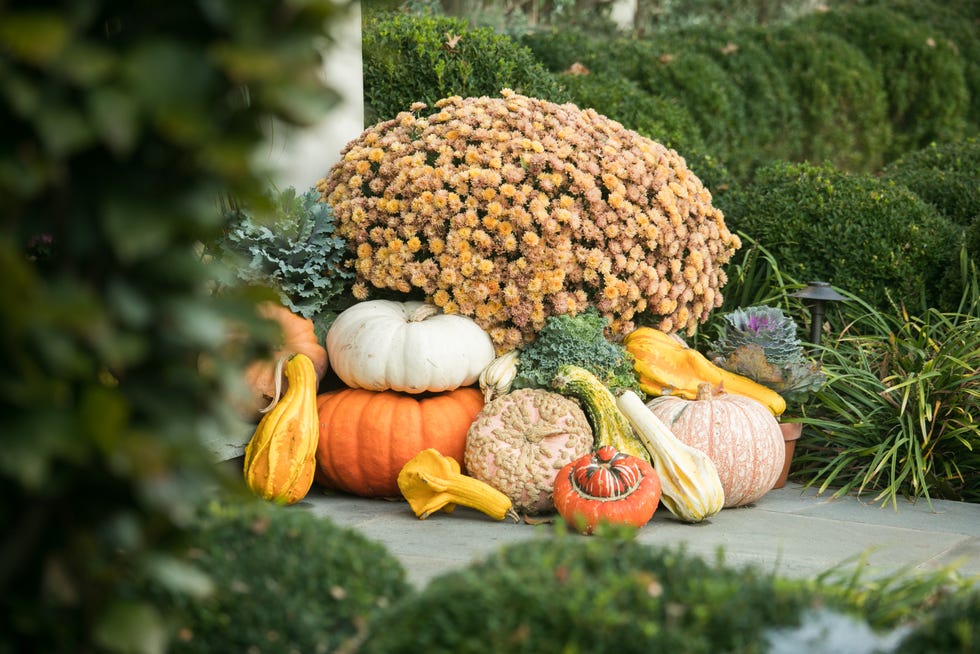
x=425 y=409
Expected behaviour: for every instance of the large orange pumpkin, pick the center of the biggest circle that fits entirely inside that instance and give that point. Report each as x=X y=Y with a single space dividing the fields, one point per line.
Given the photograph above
x=366 y=437
x=738 y=433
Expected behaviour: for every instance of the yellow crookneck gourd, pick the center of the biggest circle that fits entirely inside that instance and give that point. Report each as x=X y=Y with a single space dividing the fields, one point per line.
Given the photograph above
x=665 y=365
x=280 y=458
x=433 y=482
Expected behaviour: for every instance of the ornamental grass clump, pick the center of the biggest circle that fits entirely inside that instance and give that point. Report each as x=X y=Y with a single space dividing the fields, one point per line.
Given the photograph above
x=512 y=209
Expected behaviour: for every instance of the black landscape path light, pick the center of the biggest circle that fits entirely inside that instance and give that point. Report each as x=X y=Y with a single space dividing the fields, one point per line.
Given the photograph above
x=816 y=294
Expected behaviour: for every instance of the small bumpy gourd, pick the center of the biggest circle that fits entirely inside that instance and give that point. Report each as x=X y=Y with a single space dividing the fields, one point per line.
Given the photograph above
x=607 y=486
x=280 y=458
x=520 y=441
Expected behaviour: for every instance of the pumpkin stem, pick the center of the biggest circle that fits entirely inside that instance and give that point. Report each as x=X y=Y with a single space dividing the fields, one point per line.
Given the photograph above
x=279 y=376
x=707 y=392
x=425 y=311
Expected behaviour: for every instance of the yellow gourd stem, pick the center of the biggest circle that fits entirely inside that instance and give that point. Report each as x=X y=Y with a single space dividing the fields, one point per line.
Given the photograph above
x=431 y=482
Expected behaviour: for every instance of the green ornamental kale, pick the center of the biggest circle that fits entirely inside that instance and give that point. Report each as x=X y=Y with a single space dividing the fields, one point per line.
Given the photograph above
x=291 y=249
x=579 y=340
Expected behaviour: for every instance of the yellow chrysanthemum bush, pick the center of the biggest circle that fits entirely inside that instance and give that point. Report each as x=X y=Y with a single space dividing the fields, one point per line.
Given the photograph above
x=512 y=209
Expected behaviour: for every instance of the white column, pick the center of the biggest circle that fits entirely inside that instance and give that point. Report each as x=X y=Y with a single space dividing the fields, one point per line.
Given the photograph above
x=301 y=157
x=623 y=13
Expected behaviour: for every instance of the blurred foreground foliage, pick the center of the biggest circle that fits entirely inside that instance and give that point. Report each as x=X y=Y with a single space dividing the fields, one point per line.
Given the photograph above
x=122 y=126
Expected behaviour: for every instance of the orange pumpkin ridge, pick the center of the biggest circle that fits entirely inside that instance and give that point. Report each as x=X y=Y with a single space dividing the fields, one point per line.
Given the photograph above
x=366 y=437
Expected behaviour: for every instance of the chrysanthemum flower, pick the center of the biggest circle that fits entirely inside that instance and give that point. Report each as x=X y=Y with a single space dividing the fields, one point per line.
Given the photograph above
x=513 y=209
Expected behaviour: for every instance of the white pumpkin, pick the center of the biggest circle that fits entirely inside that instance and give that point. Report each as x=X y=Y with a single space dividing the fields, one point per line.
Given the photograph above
x=407 y=346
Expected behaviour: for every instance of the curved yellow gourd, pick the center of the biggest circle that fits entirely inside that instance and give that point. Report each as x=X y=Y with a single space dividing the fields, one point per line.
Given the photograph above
x=691 y=488
x=432 y=482
x=280 y=458
x=664 y=365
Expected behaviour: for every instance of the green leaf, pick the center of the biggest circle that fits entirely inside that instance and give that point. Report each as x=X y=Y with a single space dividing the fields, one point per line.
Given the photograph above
x=34 y=36
x=248 y=63
x=179 y=576
x=132 y=627
x=136 y=228
x=116 y=118
x=64 y=130
x=103 y=416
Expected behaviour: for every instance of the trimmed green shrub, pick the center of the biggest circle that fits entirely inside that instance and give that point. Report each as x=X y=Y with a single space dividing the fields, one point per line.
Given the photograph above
x=669 y=15
x=952 y=627
x=955 y=21
x=590 y=595
x=772 y=124
x=408 y=59
x=123 y=124
x=661 y=119
x=946 y=175
x=612 y=595
x=665 y=69
x=712 y=99
x=611 y=88
x=971 y=239
x=515 y=18
x=873 y=238
x=840 y=97
x=287 y=581
x=922 y=72
x=558 y=50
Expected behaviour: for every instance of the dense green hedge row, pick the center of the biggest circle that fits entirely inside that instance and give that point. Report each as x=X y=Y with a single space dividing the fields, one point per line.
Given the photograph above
x=875 y=238
x=409 y=59
x=285 y=581
x=857 y=86
x=293 y=582
x=842 y=92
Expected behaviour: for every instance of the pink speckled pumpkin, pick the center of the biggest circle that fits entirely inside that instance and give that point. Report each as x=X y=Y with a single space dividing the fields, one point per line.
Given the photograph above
x=738 y=433
x=519 y=442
